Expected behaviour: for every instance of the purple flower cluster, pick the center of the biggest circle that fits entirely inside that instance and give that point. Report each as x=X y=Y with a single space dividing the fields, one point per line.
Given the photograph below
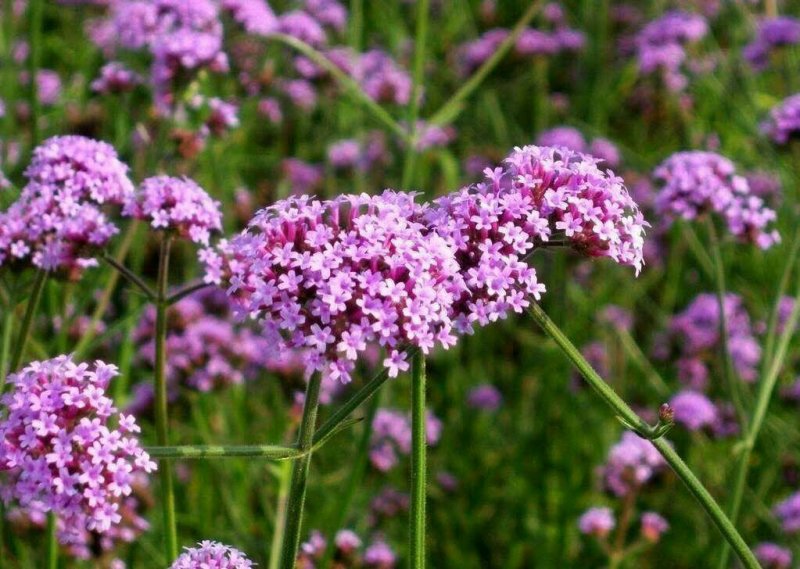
x=772 y=34
x=177 y=205
x=572 y=138
x=783 y=124
x=696 y=182
x=59 y=453
x=597 y=522
x=212 y=555
x=773 y=556
x=348 y=552
x=631 y=463
x=115 y=78
x=58 y=220
x=653 y=526
x=788 y=512
x=391 y=433
x=334 y=276
x=697 y=331
x=694 y=410
x=661 y=45
x=539 y=194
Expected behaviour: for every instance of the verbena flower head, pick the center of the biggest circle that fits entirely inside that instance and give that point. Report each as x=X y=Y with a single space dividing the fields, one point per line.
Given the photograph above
x=788 y=513
x=783 y=124
x=772 y=34
x=177 y=205
x=58 y=221
x=661 y=45
x=597 y=522
x=653 y=526
x=694 y=410
x=212 y=555
x=540 y=193
x=631 y=463
x=773 y=556
x=335 y=276
x=697 y=182
x=391 y=434
x=697 y=332
x=60 y=451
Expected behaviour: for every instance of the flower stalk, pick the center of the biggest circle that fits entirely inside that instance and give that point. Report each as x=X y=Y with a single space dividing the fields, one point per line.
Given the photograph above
x=631 y=420
x=297 y=488
x=52 y=541
x=416 y=533
x=27 y=320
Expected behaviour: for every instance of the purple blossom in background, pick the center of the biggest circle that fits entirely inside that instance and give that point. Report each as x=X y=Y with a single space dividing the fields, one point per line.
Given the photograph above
x=433 y=136
x=303 y=26
x=380 y=556
x=539 y=193
x=472 y=54
x=344 y=153
x=572 y=138
x=773 y=556
x=772 y=34
x=391 y=434
x=388 y=503
x=212 y=555
x=485 y=397
x=653 y=526
x=693 y=410
x=382 y=78
x=255 y=16
x=765 y=185
x=661 y=45
x=303 y=177
x=617 y=316
x=58 y=222
x=697 y=332
x=696 y=182
x=177 y=205
x=631 y=463
x=48 y=85
x=335 y=276
x=788 y=513
x=783 y=124
x=301 y=93
x=222 y=116
x=115 y=78
x=597 y=522
x=60 y=454
x=377 y=555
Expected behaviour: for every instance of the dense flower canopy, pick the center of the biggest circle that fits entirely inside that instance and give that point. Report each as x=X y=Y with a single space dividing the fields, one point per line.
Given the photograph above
x=59 y=451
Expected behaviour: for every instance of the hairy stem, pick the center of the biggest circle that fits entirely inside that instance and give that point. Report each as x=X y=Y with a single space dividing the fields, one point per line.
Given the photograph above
x=161 y=413
x=284 y=478
x=52 y=541
x=636 y=423
x=416 y=530
x=297 y=490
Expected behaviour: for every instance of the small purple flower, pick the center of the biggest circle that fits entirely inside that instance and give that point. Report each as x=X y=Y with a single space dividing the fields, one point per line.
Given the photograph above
x=115 y=78
x=772 y=34
x=661 y=45
x=696 y=182
x=631 y=463
x=344 y=154
x=391 y=434
x=783 y=124
x=60 y=452
x=379 y=556
x=597 y=522
x=773 y=556
x=653 y=526
x=485 y=397
x=694 y=410
x=382 y=78
x=212 y=554
x=788 y=512
x=177 y=205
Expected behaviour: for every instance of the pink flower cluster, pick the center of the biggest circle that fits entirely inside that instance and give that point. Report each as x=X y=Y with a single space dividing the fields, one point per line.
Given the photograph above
x=540 y=194
x=697 y=182
x=391 y=433
x=212 y=555
x=631 y=463
x=334 y=276
x=58 y=220
x=348 y=552
x=177 y=205
x=59 y=452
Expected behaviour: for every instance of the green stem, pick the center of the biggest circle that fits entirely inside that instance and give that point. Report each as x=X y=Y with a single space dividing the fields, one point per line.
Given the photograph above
x=297 y=489
x=697 y=249
x=350 y=86
x=420 y=38
x=284 y=478
x=162 y=418
x=630 y=419
x=765 y=391
x=203 y=452
x=5 y=343
x=455 y=104
x=132 y=277
x=35 y=15
x=416 y=530
x=52 y=541
x=27 y=320
x=183 y=292
x=731 y=379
